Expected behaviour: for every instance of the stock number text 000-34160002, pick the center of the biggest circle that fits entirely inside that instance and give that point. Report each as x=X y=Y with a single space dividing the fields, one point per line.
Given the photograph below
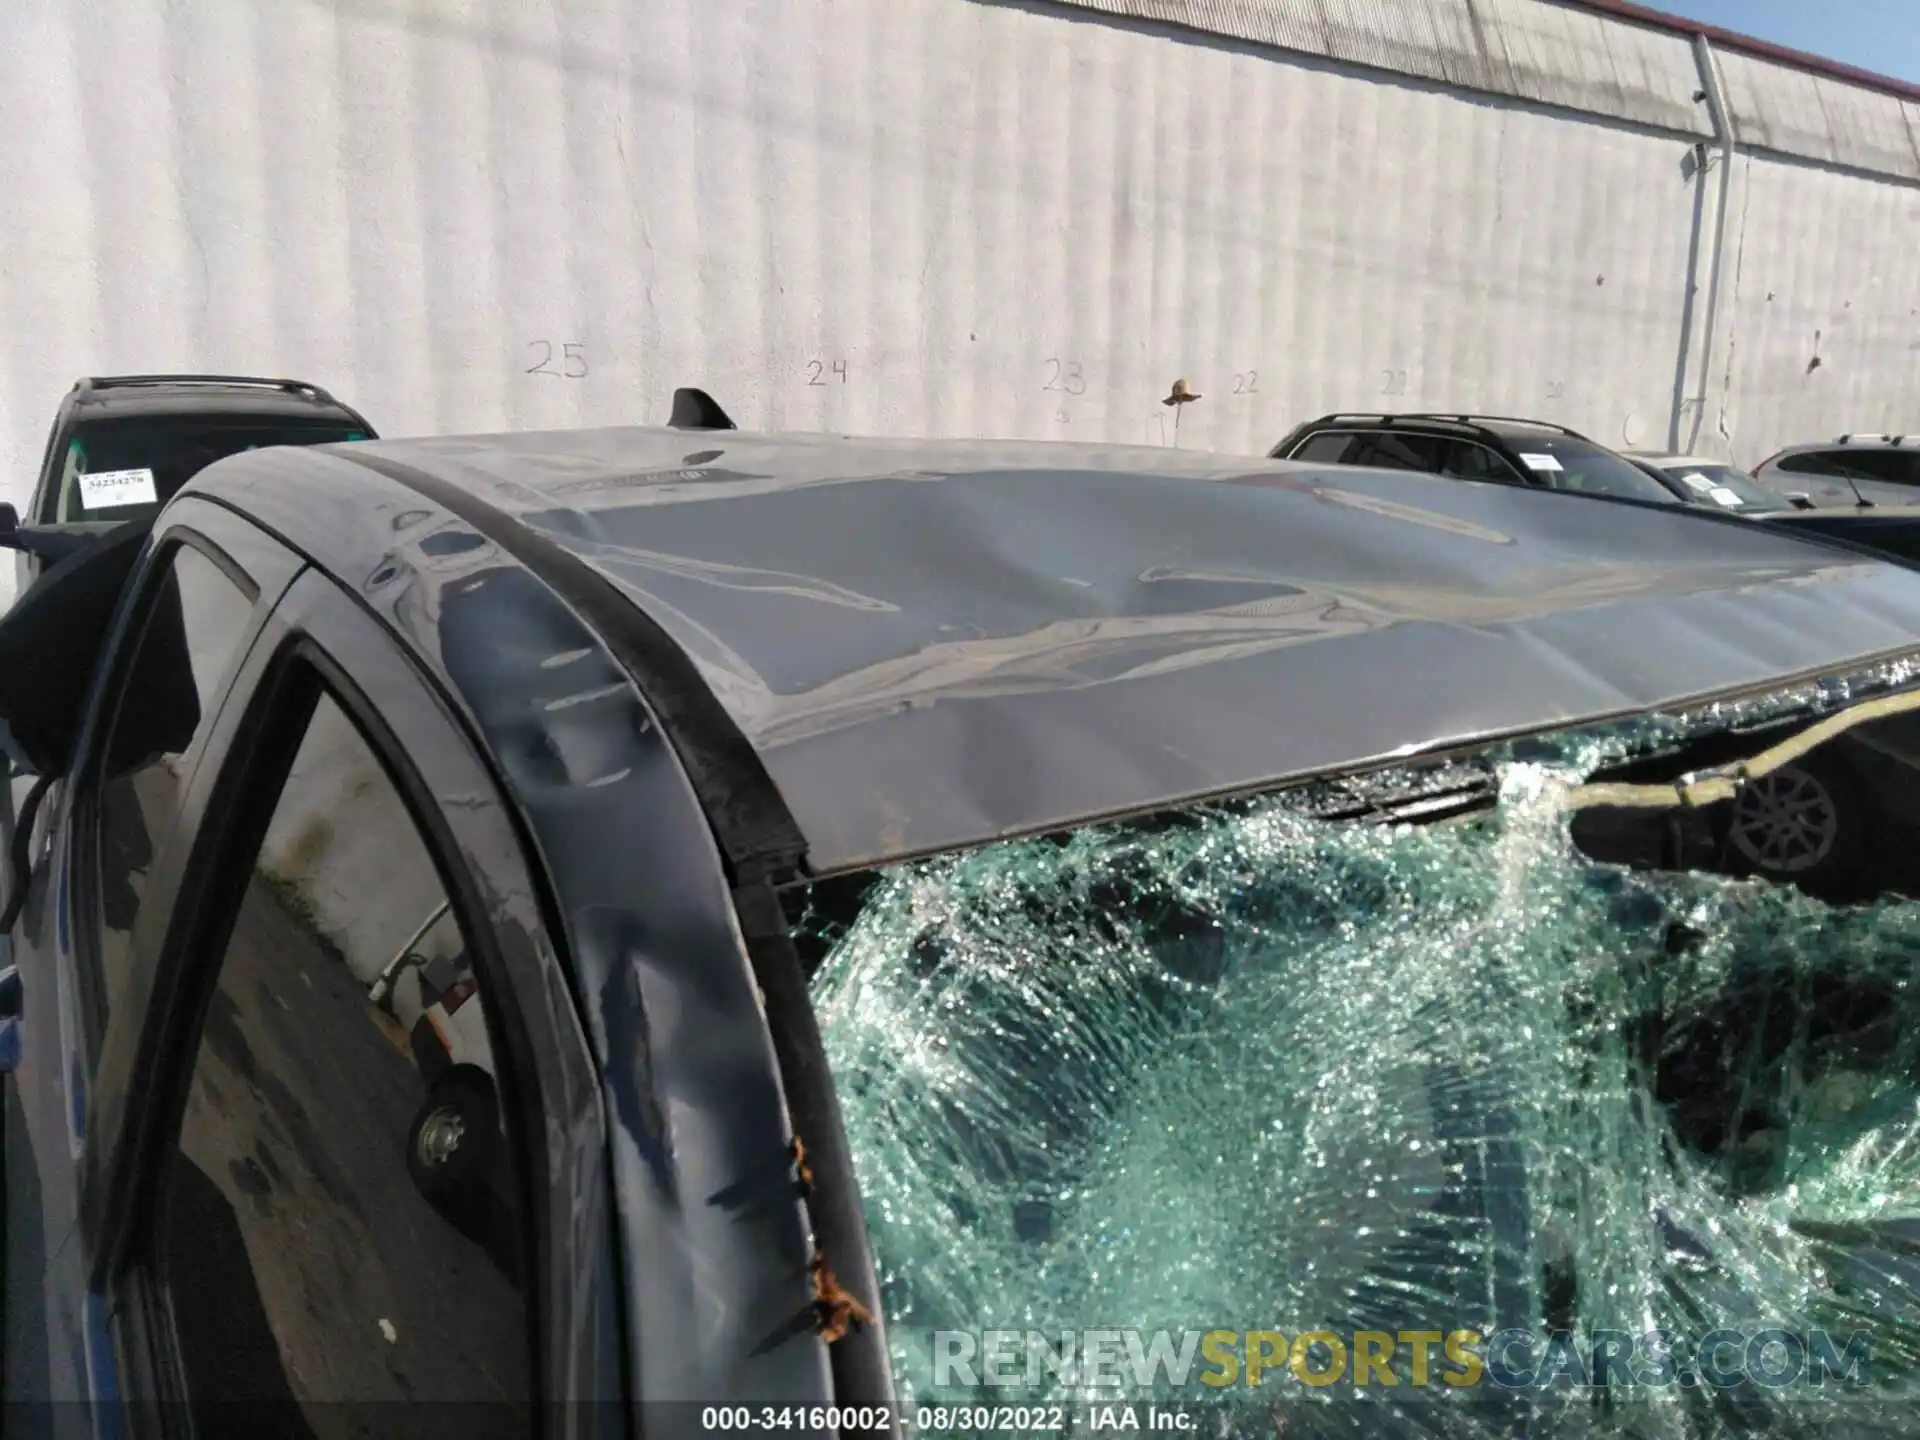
x=925 y=1419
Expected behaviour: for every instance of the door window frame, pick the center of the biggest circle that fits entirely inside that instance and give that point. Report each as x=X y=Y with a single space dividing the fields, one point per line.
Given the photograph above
x=318 y=641
x=47 y=483
x=262 y=572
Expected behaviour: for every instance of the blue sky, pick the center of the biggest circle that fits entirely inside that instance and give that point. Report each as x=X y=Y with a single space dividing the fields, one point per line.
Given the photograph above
x=1882 y=35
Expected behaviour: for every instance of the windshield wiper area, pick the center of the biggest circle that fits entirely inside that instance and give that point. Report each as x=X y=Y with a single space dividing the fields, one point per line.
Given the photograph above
x=1429 y=794
x=1299 y=1067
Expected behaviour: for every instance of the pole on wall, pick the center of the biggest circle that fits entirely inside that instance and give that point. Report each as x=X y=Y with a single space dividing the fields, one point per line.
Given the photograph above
x=1714 y=93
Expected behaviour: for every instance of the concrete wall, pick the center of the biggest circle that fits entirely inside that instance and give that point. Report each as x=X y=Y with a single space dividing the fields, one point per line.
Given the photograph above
x=948 y=216
x=1823 y=285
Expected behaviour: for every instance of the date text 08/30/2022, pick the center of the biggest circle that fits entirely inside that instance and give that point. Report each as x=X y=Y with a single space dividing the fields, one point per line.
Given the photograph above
x=1046 y=1419
x=946 y=1419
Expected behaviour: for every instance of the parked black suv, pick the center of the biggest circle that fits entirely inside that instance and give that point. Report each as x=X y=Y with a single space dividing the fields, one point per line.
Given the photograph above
x=1855 y=469
x=123 y=445
x=1499 y=449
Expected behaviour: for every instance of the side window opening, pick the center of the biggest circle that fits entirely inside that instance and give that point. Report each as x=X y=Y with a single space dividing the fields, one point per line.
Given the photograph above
x=1466 y=460
x=1805 y=465
x=1397 y=452
x=1326 y=448
x=65 y=497
x=340 y=1217
x=197 y=616
x=57 y=471
x=1890 y=467
x=45 y=484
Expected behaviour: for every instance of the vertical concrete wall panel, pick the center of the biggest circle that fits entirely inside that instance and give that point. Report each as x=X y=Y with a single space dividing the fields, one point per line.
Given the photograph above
x=1823 y=335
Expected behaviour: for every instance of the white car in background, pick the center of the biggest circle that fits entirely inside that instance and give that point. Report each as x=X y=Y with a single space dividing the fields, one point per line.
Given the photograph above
x=1869 y=471
x=1702 y=480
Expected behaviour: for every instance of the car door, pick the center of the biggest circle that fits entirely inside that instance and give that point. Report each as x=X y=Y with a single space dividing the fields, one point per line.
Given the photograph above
x=341 y=1145
x=193 y=606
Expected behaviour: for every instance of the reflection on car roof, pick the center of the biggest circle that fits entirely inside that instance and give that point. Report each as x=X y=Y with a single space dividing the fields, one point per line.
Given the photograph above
x=931 y=644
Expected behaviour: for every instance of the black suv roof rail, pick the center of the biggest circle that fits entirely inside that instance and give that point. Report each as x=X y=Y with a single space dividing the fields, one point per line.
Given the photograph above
x=1499 y=420
x=116 y=382
x=1375 y=418
x=1421 y=417
x=1862 y=437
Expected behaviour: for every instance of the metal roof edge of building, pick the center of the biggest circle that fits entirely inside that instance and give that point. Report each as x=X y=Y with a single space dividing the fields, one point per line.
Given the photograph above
x=1749 y=45
x=1615 y=59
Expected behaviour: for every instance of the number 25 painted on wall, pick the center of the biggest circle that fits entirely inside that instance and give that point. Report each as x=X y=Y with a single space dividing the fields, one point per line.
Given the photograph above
x=573 y=357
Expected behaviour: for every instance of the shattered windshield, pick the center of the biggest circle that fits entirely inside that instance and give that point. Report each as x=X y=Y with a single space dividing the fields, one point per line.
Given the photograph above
x=1523 y=1101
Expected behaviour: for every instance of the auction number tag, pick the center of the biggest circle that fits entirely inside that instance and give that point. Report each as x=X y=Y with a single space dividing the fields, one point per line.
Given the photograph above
x=107 y=488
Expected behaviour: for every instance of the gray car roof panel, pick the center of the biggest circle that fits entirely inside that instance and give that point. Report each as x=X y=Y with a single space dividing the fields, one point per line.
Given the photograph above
x=932 y=644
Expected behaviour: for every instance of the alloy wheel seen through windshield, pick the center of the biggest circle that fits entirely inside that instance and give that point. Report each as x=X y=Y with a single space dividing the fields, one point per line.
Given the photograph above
x=1786 y=822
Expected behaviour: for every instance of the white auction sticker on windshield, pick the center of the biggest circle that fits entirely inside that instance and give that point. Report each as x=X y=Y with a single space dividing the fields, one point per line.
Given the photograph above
x=1725 y=496
x=1697 y=482
x=1540 y=462
x=109 y=488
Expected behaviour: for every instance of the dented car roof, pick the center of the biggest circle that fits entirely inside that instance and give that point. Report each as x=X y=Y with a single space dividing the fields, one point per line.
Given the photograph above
x=930 y=644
